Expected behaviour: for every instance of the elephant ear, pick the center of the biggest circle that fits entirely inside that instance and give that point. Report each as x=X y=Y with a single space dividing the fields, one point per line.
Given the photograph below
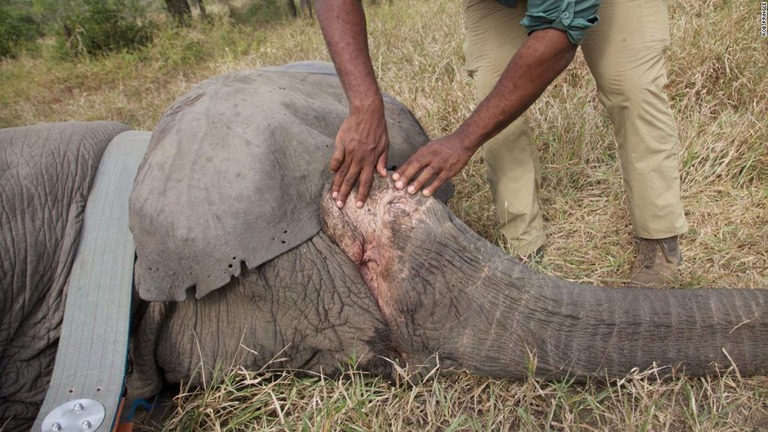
x=234 y=174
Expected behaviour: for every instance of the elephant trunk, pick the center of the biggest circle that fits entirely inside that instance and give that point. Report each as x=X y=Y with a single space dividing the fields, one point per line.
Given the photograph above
x=580 y=330
x=444 y=290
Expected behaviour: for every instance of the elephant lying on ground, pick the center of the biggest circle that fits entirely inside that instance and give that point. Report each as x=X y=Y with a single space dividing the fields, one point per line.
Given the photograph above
x=228 y=206
x=46 y=172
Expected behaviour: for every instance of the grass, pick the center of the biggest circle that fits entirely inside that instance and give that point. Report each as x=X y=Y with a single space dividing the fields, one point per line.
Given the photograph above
x=717 y=86
x=357 y=402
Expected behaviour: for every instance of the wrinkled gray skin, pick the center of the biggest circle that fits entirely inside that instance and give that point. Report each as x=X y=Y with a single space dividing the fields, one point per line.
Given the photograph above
x=226 y=206
x=443 y=289
x=276 y=309
x=400 y=279
x=46 y=173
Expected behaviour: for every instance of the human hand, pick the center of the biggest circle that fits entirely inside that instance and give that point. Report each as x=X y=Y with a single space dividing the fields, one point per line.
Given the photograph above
x=437 y=161
x=361 y=146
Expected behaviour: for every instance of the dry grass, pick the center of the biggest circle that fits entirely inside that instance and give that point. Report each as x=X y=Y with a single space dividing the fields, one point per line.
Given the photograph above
x=357 y=402
x=718 y=85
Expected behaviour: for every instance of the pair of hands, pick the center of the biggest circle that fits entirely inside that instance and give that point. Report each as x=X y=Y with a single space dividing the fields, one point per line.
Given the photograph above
x=361 y=147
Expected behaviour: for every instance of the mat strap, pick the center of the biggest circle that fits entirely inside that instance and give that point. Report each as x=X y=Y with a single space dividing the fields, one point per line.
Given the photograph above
x=92 y=353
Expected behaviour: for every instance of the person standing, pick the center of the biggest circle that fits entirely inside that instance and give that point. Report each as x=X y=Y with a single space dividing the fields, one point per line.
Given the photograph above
x=512 y=64
x=625 y=54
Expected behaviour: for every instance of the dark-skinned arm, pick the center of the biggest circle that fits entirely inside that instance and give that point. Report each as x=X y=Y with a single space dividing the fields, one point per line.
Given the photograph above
x=362 y=141
x=536 y=64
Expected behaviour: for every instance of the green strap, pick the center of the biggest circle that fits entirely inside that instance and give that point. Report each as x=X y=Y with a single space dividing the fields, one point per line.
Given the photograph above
x=91 y=357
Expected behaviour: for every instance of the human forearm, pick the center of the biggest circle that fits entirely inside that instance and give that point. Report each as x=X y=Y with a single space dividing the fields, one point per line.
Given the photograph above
x=362 y=142
x=344 y=29
x=538 y=62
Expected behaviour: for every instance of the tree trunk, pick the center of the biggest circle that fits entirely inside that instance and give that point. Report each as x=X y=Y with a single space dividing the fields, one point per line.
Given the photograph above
x=306 y=8
x=443 y=289
x=201 y=9
x=304 y=5
x=179 y=10
x=292 y=8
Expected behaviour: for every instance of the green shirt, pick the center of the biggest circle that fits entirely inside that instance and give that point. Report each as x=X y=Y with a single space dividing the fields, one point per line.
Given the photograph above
x=573 y=17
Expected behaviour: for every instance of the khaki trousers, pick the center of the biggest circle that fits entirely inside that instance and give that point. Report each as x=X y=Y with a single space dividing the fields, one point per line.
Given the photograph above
x=624 y=52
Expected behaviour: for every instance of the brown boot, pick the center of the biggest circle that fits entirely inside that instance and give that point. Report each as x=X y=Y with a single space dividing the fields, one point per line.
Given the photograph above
x=657 y=262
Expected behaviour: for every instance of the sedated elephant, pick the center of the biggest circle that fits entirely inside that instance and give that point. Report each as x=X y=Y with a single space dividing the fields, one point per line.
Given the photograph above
x=46 y=173
x=243 y=262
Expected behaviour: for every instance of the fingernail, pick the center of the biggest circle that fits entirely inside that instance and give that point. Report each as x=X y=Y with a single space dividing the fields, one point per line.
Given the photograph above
x=399 y=185
x=359 y=204
x=339 y=204
x=426 y=192
x=395 y=176
x=411 y=189
x=335 y=195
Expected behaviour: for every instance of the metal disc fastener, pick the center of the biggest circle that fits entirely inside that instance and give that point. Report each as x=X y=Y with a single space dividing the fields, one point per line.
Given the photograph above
x=74 y=415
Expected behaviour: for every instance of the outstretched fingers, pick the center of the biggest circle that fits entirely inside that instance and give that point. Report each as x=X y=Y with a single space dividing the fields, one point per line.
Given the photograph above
x=365 y=182
x=412 y=175
x=361 y=150
x=432 y=166
x=343 y=182
x=351 y=171
x=381 y=166
x=341 y=176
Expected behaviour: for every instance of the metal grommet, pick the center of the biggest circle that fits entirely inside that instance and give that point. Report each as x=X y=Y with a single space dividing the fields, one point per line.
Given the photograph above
x=75 y=415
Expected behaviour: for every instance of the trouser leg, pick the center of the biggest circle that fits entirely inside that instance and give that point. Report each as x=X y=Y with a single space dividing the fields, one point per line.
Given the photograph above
x=625 y=53
x=493 y=35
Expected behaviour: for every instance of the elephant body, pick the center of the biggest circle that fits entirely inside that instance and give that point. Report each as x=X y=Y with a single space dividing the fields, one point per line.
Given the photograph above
x=46 y=172
x=285 y=299
x=244 y=262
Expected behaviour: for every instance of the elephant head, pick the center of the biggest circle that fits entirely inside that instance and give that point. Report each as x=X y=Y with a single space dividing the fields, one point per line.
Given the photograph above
x=443 y=289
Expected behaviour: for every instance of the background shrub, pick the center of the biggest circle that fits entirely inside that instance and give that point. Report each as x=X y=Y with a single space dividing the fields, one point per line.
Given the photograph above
x=98 y=27
x=18 y=31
